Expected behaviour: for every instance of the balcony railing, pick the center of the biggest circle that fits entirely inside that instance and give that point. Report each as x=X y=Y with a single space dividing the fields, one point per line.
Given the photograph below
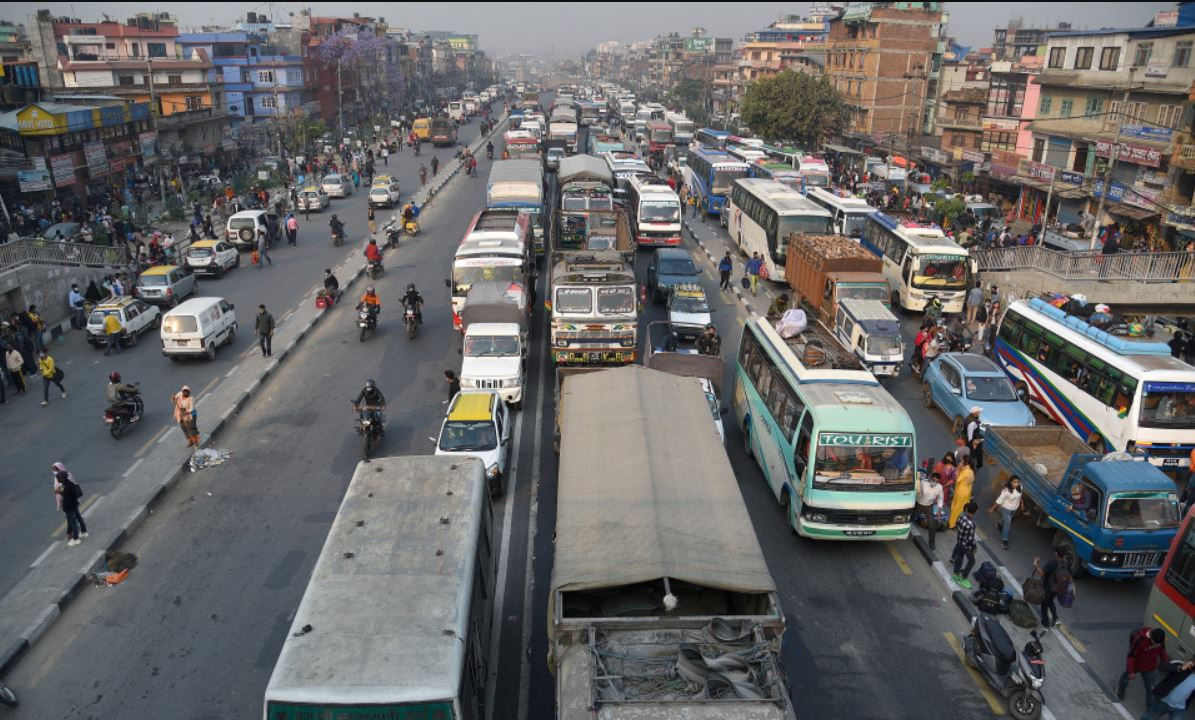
x=1091 y=265
x=36 y=251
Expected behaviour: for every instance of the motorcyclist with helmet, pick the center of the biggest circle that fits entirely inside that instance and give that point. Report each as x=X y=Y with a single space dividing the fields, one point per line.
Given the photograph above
x=337 y=227
x=373 y=253
x=374 y=403
x=122 y=394
x=413 y=299
x=370 y=301
x=489 y=150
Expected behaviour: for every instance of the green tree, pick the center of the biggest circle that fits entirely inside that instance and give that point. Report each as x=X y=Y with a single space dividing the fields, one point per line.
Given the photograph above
x=794 y=106
x=691 y=97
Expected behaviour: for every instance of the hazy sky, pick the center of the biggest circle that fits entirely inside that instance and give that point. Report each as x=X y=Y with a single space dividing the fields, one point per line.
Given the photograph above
x=571 y=29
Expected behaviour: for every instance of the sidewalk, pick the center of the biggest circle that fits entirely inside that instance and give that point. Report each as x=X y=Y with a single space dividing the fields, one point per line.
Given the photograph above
x=60 y=574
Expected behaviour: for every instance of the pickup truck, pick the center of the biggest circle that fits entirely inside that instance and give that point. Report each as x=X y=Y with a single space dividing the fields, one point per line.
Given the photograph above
x=1116 y=514
x=495 y=322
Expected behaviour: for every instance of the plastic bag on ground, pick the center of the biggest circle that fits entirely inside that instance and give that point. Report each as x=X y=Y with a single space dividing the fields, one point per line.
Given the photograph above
x=207 y=457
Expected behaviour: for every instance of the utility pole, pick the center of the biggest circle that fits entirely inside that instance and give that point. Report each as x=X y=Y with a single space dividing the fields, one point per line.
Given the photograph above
x=153 y=123
x=339 y=99
x=1112 y=155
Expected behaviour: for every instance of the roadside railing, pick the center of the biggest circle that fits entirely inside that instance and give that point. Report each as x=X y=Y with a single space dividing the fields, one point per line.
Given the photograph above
x=37 y=251
x=1091 y=265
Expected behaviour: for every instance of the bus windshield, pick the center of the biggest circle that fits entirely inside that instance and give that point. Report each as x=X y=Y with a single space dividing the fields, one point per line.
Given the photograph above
x=464 y=277
x=659 y=211
x=941 y=272
x=853 y=223
x=862 y=467
x=812 y=224
x=1142 y=511
x=724 y=178
x=1168 y=405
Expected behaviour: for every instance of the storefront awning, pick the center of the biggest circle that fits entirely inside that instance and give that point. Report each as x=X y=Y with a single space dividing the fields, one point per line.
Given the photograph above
x=841 y=150
x=1071 y=192
x=1128 y=211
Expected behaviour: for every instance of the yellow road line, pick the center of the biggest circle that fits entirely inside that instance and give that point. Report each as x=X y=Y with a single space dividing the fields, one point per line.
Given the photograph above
x=904 y=566
x=151 y=441
x=51 y=660
x=210 y=385
x=58 y=531
x=1074 y=640
x=988 y=694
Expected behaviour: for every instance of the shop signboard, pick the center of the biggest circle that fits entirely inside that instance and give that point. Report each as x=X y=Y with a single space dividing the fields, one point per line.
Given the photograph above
x=1038 y=171
x=1071 y=178
x=973 y=156
x=1146 y=132
x=1128 y=152
x=149 y=144
x=36 y=178
x=97 y=158
x=63 y=167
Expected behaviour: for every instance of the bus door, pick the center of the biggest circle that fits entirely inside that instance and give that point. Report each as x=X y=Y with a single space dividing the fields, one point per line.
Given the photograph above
x=802 y=453
x=906 y=274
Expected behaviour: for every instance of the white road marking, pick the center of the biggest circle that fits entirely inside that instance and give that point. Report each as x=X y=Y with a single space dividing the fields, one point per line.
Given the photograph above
x=44 y=553
x=132 y=468
x=230 y=372
x=503 y=567
x=94 y=505
x=525 y=670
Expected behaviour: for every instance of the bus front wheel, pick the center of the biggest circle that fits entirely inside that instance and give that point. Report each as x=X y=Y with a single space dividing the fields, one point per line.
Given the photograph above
x=790 y=509
x=747 y=438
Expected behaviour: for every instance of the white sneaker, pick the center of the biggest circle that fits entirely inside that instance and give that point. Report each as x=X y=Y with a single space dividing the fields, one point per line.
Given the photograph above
x=71 y=543
x=63 y=396
x=83 y=535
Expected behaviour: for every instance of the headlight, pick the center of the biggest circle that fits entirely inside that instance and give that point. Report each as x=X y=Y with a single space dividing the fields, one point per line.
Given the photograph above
x=561 y=342
x=817 y=517
x=492 y=471
x=510 y=382
x=900 y=518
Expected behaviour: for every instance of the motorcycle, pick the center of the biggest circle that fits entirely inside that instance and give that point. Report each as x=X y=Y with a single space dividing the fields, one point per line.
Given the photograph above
x=1018 y=678
x=374 y=268
x=367 y=320
x=489 y=153
x=337 y=239
x=411 y=320
x=122 y=414
x=370 y=426
x=392 y=231
x=7 y=696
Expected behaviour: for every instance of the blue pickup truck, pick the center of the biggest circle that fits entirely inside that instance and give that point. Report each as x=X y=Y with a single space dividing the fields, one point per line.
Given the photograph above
x=1116 y=514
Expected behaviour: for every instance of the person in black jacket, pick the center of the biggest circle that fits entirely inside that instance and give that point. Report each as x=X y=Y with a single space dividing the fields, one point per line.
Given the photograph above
x=1172 y=694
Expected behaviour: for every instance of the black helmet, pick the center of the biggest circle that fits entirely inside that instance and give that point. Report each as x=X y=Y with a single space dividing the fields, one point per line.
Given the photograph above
x=333 y=216
x=369 y=384
x=114 y=376
x=410 y=286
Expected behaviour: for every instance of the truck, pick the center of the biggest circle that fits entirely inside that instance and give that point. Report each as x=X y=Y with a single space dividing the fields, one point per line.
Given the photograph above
x=494 y=321
x=518 y=185
x=647 y=618
x=598 y=230
x=1115 y=514
x=825 y=269
x=593 y=296
x=564 y=131
x=584 y=184
x=443 y=131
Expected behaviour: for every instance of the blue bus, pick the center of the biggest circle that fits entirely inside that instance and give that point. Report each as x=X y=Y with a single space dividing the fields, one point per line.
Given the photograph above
x=710 y=175
x=711 y=138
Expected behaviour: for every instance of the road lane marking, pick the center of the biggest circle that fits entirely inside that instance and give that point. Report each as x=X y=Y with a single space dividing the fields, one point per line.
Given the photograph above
x=230 y=372
x=904 y=566
x=1070 y=644
x=98 y=499
x=151 y=441
x=133 y=467
x=503 y=566
x=44 y=554
x=82 y=507
x=209 y=386
x=987 y=692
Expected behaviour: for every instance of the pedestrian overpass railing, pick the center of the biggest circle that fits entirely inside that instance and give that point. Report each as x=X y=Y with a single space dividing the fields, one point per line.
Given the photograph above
x=1091 y=265
x=38 y=251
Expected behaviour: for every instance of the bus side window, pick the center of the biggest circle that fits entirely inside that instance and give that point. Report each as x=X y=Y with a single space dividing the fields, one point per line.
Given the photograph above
x=906 y=271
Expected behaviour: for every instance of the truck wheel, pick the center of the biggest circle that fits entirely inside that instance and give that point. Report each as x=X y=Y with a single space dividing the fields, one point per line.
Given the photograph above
x=1064 y=541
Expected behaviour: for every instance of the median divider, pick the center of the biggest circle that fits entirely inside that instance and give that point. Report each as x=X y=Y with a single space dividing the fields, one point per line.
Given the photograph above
x=38 y=600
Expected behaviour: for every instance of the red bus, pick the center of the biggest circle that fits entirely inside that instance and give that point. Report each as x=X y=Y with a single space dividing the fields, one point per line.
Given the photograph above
x=1171 y=603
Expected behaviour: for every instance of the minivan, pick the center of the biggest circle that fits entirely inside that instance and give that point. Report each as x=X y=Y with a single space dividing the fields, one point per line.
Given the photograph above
x=198 y=327
x=869 y=330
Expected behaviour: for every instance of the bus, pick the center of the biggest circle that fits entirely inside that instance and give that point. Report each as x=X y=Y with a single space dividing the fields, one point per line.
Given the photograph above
x=682 y=128
x=1116 y=393
x=836 y=449
x=711 y=138
x=848 y=213
x=763 y=213
x=521 y=145
x=814 y=171
x=782 y=173
x=654 y=210
x=920 y=262
x=710 y=174
x=396 y=619
x=1171 y=604
x=747 y=154
x=659 y=135
x=495 y=248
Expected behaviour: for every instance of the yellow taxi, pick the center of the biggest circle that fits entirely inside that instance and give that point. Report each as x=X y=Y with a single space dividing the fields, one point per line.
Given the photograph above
x=478 y=425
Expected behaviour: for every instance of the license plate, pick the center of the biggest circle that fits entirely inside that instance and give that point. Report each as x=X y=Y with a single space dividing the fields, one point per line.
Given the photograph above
x=1138 y=573
x=858 y=533
x=1171 y=462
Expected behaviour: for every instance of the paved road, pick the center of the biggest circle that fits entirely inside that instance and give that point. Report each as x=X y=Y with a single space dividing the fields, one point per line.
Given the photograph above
x=72 y=430
x=225 y=558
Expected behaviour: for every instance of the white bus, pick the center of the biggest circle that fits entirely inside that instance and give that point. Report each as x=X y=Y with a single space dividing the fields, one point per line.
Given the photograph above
x=1114 y=392
x=761 y=216
x=849 y=213
x=654 y=210
x=496 y=248
x=682 y=128
x=920 y=262
x=396 y=619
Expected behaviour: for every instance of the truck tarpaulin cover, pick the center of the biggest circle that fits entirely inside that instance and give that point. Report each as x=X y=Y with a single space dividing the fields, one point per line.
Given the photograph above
x=584 y=168
x=495 y=302
x=646 y=490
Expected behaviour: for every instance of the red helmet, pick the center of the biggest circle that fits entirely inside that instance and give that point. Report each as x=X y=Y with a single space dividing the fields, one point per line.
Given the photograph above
x=114 y=376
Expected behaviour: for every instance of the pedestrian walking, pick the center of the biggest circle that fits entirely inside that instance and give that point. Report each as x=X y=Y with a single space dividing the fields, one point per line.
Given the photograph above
x=454 y=384
x=435 y=166
x=973 y=435
x=422 y=175
x=963 y=555
x=964 y=483
x=1056 y=577
x=1008 y=502
x=75 y=300
x=292 y=229
x=67 y=493
x=112 y=334
x=385 y=156
x=1172 y=695
x=753 y=267
x=50 y=373
x=185 y=415
x=15 y=363
x=263 y=250
x=930 y=502
x=263 y=325
x=373 y=225
x=974 y=301
x=725 y=268
x=1147 y=650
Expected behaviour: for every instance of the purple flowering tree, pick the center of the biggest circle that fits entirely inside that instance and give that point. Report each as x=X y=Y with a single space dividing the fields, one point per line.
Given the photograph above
x=361 y=56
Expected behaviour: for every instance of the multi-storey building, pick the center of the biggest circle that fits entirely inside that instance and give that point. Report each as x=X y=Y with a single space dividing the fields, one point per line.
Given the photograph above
x=1015 y=41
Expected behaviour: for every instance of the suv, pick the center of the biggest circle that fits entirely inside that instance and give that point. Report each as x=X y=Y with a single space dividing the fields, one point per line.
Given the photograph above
x=669 y=267
x=553 y=158
x=135 y=316
x=214 y=257
x=478 y=425
x=165 y=285
x=242 y=227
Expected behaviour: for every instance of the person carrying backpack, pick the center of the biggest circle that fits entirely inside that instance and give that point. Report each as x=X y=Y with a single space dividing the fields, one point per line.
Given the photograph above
x=69 y=493
x=1059 y=585
x=1147 y=650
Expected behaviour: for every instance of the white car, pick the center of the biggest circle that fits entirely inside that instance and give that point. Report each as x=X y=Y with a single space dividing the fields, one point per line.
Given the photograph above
x=478 y=425
x=212 y=257
x=383 y=195
x=136 y=317
x=688 y=310
x=337 y=186
x=313 y=199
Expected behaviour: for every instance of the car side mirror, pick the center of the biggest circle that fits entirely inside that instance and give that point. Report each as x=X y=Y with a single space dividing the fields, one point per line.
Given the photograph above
x=956 y=391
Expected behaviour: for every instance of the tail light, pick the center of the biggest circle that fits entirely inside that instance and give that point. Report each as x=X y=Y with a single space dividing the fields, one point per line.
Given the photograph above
x=169 y=291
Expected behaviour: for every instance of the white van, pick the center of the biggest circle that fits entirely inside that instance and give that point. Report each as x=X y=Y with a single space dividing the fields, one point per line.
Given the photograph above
x=197 y=327
x=869 y=330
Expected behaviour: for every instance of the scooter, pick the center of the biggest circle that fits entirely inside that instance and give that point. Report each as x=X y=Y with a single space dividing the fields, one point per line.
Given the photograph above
x=1019 y=678
x=393 y=231
x=411 y=320
x=337 y=239
x=411 y=227
x=121 y=415
x=367 y=320
x=374 y=268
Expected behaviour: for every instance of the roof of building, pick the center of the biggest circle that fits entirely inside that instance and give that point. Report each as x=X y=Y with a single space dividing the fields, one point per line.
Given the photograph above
x=1131 y=32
